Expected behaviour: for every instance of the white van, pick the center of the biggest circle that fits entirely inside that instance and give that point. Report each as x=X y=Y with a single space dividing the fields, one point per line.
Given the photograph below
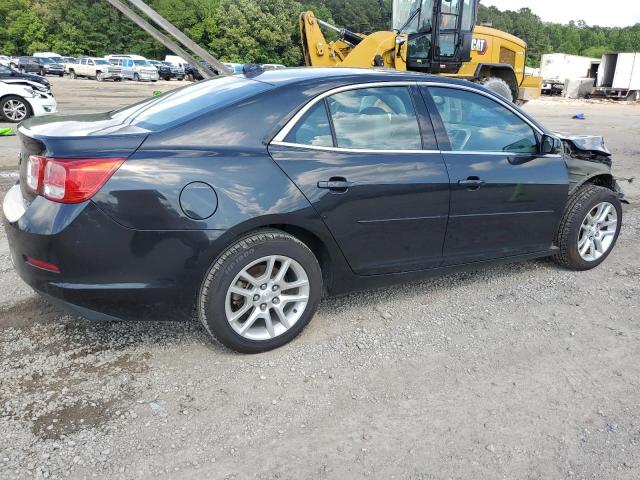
x=51 y=55
x=176 y=60
x=134 y=67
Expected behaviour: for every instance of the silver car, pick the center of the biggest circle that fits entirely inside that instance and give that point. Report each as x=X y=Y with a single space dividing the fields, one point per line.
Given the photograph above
x=136 y=69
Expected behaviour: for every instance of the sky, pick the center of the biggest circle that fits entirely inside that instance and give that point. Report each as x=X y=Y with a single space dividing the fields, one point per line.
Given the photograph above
x=594 y=12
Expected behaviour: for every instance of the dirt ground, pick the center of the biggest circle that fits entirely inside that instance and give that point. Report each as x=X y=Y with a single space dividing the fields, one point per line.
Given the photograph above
x=522 y=371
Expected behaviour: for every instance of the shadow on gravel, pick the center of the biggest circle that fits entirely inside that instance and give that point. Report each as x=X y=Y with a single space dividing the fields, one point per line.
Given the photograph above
x=436 y=284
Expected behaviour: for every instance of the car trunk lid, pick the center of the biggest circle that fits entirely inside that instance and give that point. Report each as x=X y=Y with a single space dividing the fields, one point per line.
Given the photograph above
x=75 y=136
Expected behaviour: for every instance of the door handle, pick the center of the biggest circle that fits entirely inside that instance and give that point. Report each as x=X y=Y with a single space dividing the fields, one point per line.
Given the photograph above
x=335 y=184
x=472 y=183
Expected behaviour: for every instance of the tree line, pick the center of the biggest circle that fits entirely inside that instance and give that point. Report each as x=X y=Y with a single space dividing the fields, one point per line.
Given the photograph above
x=259 y=31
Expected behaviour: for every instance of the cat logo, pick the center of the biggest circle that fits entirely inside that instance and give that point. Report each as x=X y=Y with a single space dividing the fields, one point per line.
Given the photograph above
x=479 y=45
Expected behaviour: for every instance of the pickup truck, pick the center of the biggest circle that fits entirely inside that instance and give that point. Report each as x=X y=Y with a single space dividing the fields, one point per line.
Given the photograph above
x=97 y=68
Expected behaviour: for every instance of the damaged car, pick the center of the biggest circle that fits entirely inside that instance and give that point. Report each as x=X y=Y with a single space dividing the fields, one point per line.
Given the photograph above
x=245 y=199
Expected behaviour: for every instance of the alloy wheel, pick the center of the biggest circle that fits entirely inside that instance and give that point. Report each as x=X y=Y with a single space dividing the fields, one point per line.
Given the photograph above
x=267 y=297
x=598 y=231
x=15 y=110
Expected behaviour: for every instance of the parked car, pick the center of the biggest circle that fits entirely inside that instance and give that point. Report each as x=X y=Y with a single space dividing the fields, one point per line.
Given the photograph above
x=135 y=67
x=177 y=71
x=41 y=65
x=19 y=102
x=9 y=75
x=245 y=199
x=91 y=67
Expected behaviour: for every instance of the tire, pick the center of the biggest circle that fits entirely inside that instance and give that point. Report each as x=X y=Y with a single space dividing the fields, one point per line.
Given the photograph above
x=167 y=79
x=22 y=70
x=61 y=75
x=499 y=86
x=574 y=230
x=634 y=96
x=100 y=77
x=14 y=109
x=72 y=75
x=190 y=77
x=42 y=72
x=136 y=77
x=216 y=303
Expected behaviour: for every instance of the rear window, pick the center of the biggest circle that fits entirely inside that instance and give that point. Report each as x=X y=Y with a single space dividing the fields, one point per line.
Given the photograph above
x=180 y=105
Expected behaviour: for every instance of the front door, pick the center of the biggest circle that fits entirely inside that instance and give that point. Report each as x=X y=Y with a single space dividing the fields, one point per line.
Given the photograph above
x=506 y=198
x=359 y=158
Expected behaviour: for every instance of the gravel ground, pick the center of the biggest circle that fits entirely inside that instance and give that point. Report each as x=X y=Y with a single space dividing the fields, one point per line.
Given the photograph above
x=521 y=371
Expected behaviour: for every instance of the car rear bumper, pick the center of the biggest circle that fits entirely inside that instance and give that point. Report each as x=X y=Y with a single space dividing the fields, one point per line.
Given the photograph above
x=106 y=271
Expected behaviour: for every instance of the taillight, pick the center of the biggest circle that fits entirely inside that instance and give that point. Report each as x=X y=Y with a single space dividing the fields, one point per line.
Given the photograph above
x=35 y=171
x=69 y=180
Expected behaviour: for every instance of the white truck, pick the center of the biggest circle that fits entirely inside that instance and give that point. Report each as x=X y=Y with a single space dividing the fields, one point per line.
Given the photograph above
x=619 y=76
x=557 y=68
x=91 y=67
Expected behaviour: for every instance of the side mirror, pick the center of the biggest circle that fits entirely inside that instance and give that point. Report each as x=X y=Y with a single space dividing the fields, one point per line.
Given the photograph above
x=550 y=145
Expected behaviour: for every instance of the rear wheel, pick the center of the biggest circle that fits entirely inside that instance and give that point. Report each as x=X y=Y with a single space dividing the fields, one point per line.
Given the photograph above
x=634 y=96
x=589 y=229
x=14 y=109
x=499 y=86
x=261 y=292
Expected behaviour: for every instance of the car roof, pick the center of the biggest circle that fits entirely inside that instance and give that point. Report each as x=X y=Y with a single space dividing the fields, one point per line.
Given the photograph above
x=306 y=74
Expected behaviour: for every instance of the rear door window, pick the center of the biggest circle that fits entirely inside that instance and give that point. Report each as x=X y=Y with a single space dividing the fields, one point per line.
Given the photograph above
x=375 y=118
x=313 y=129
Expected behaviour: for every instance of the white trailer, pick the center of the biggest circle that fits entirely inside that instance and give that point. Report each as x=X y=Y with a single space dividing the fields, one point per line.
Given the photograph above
x=557 y=68
x=619 y=76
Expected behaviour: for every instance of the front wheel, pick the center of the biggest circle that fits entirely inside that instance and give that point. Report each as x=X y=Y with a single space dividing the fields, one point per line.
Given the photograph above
x=136 y=77
x=100 y=77
x=261 y=292
x=14 y=109
x=499 y=86
x=634 y=96
x=589 y=228
x=72 y=75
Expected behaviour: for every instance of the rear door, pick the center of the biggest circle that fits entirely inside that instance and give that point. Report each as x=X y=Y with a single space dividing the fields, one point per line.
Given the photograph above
x=381 y=188
x=506 y=198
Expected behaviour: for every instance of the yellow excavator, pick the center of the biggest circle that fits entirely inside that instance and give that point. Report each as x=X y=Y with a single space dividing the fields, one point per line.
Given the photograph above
x=432 y=36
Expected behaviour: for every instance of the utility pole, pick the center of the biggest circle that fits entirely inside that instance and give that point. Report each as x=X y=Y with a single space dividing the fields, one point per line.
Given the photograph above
x=163 y=39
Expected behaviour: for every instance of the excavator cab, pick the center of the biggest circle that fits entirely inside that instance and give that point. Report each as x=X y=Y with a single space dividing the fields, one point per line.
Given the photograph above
x=440 y=32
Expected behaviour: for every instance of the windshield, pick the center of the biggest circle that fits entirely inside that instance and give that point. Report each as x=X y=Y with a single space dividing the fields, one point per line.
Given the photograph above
x=188 y=102
x=45 y=60
x=142 y=63
x=412 y=16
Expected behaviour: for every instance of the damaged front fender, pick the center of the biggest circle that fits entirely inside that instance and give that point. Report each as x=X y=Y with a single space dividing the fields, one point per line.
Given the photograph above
x=588 y=160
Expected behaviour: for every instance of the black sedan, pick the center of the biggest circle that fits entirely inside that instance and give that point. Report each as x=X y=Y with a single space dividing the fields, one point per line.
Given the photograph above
x=10 y=75
x=246 y=199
